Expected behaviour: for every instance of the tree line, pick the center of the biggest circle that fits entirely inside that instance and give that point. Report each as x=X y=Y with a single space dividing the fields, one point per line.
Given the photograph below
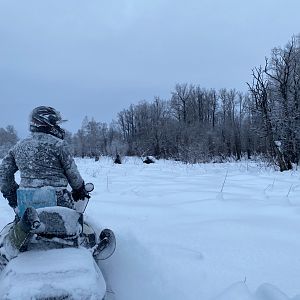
x=197 y=124
x=8 y=138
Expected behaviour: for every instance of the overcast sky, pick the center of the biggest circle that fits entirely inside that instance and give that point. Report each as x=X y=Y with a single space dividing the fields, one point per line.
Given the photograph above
x=96 y=57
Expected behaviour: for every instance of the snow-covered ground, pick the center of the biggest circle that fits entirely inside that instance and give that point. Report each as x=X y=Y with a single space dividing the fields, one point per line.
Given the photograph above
x=209 y=231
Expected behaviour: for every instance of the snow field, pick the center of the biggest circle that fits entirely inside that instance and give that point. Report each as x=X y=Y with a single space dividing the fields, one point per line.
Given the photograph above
x=206 y=231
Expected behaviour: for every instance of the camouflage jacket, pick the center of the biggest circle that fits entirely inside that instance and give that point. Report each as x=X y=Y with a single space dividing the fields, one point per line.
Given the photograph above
x=43 y=160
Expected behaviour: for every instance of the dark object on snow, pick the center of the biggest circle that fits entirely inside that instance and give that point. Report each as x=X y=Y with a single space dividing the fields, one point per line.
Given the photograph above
x=148 y=161
x=118 y=160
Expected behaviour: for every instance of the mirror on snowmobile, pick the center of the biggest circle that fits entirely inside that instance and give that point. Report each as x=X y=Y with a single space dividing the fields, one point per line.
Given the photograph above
x=89 y=187
x=106 y=246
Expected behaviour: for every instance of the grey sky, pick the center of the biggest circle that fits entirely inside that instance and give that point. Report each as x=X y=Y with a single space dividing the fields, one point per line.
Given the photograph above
x=96 y=57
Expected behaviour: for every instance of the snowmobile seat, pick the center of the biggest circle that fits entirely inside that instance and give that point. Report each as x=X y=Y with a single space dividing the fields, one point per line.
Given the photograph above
x=61 y=222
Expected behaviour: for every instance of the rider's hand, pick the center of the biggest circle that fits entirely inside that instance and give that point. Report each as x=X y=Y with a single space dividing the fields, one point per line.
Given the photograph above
x=12 y=200
x=11 y=197
x=80 y=194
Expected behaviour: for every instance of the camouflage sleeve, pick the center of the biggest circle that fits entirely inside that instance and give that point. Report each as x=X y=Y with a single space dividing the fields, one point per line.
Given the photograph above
x=8 y=168
x=71 y=171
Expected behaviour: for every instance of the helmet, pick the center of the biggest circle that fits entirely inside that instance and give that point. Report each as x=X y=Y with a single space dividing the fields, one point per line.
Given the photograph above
x=46 y=119
x=45 y=116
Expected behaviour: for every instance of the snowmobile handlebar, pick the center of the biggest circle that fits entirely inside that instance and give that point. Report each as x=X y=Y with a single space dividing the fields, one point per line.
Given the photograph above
x=81 y=205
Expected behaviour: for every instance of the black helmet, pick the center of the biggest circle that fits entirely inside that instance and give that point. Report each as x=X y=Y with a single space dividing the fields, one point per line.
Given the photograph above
x=46 y=119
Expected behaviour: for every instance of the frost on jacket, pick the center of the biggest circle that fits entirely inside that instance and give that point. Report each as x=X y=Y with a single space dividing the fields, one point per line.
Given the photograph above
x=43 y=160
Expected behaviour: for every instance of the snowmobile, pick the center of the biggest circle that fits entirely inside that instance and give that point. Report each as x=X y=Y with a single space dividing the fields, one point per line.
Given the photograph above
x=59 y=257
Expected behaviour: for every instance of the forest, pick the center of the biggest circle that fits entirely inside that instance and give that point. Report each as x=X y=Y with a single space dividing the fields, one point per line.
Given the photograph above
x=200 y=124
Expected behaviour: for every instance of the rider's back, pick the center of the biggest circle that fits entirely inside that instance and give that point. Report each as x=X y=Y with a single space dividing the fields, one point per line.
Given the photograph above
x=44 y=160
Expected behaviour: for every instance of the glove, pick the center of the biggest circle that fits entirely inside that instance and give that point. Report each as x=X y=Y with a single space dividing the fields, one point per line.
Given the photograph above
x=11 y=196
x=80 y=194
x=12 y=200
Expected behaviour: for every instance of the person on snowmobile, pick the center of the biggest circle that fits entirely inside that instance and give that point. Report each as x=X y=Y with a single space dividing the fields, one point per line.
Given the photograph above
x=44 y=160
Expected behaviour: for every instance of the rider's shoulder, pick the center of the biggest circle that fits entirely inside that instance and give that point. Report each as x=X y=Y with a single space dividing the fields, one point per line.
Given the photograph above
x=39 y=138
x=44 y=138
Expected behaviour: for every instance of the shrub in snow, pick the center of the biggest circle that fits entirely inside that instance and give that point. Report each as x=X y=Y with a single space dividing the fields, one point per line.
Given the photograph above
x=149 y=160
